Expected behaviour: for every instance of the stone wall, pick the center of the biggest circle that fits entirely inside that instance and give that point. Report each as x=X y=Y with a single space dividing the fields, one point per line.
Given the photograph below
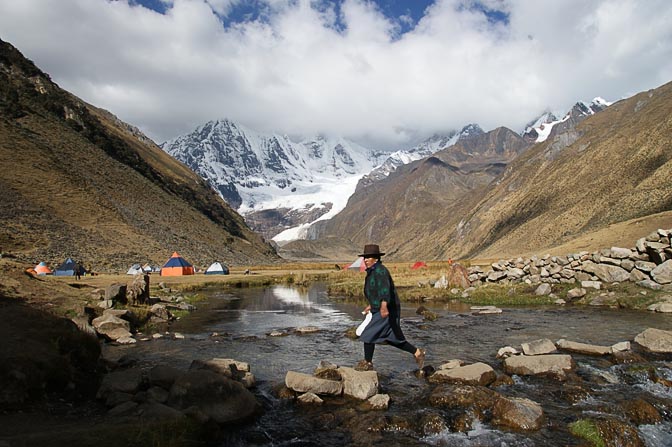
x=648 y=263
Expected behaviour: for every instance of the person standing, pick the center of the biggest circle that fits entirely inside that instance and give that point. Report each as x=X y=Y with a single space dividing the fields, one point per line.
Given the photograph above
x=385 y=308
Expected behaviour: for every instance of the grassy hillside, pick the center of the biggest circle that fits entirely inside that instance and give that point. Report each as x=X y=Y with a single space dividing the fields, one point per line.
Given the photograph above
x=78 y=182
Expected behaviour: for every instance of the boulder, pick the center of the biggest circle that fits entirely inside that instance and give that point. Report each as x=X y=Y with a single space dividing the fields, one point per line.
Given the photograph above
x=543 y=289
x=649 y=284
x=620 y=253
x=124 y=381
x=517 y=413
x=641 y=412
x=597 y=285
x=474 y=374
x=538 y=347
x=485 y=310
x=215 y=396
x=507 y=351
x=125 y=314
x=457 y=276
x=616 y=432
x=554 y=364
x=304 y=383
x=159 y=311
x=327 y=370
x=116 y=293
x=662 y=274
x=163 y=376
x=576 y=293
x=450 y=364
x=655 y=340
x=606 y=273
x=109 y=322
x=645 y=266
x=583 y=348
x=621 y=346
x=656 y=252
x=664 y=307
x=378 y=402
x=358 y=384
x=310 y=398
x=229 y=367
x=465 y=397
x=84 y=325
x=638 y=275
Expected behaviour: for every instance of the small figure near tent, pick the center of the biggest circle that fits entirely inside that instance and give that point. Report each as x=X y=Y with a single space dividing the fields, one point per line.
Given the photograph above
x=385 y=307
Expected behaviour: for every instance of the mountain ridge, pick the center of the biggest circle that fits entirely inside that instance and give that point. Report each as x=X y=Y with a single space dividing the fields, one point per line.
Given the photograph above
x=84 y=185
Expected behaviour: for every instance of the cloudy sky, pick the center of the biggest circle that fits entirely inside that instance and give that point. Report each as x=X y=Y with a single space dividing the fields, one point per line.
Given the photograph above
x=383 y=73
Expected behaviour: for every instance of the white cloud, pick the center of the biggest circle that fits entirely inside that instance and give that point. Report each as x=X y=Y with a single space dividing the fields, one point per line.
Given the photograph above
x=309 y=67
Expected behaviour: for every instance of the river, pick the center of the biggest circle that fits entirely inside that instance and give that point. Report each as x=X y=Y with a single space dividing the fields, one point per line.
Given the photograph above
x=237 y=323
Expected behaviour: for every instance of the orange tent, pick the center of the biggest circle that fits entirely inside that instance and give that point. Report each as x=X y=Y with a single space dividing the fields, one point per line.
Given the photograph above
x=42 y=269
x=177 y=266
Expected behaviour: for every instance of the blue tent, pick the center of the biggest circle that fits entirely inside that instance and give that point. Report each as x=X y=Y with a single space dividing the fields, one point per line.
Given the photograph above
x=66 y=269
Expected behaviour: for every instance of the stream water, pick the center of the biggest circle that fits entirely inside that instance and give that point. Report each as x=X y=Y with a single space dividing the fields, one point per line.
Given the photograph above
x=235 y=324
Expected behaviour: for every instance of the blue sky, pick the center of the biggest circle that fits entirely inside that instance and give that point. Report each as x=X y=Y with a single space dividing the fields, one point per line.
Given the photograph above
x=384 y=73
x=406 y=12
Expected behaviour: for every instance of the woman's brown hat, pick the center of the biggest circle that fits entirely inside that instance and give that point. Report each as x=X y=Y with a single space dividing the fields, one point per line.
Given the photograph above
x=371 y=251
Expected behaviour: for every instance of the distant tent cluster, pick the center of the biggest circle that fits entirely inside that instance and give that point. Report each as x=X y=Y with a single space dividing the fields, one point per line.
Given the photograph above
x=137 y=269
x=67 y=268
x=175 y=266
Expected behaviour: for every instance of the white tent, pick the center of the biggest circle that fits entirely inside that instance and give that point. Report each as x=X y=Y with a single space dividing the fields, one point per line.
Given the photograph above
x=135 y=270
x=217 y=268
x=358 y=264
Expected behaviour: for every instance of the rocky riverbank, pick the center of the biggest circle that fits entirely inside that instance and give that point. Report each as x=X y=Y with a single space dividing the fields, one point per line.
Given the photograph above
x=461 y=395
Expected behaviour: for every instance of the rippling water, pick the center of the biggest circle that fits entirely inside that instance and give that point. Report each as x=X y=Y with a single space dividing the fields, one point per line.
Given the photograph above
x=236 y=324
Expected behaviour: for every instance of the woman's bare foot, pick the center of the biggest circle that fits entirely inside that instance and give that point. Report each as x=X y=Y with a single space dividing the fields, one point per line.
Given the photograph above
x=420 y=357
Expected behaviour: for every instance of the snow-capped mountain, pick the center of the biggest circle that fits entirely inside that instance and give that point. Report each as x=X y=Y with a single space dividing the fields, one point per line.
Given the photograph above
x=422 y=150
x=274 y=182
x=540 y=129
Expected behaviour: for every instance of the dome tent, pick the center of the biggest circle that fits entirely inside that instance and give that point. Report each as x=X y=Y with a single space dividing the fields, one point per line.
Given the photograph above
x=216 y=268
x=177 y=266
x=42 y=269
